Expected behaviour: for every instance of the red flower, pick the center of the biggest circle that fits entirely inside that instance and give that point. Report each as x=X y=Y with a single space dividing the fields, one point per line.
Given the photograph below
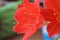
x=54 y=21
x=52 y=14
x=28 y=18
x=54 y=27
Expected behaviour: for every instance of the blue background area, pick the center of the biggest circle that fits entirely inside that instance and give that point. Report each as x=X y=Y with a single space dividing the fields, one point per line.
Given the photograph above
x=45 y=34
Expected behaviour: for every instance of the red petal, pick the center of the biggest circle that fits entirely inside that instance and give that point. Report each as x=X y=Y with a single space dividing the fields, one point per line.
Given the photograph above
x=32 y=21
x=53 y=28
x=29 y=34
x=36 y=4
x=19 y=28
x=29 y=30
x=18 y=14
x=27 y=3
x=54 y=5
x=32 y=7
x=48 y=15
x=23 y=16
x=23 y=28
x=20 y=5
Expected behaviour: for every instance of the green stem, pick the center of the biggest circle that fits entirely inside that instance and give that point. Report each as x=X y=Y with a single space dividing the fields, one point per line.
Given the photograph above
x=57 y=38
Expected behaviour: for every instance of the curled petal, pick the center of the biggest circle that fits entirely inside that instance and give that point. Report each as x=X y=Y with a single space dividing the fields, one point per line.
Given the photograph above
x=49 y=15
x=53 y=28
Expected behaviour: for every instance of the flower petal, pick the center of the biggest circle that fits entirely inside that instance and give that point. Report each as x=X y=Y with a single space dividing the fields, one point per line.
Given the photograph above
x=20 y=5
x=53 y=28
x=29 y=30
x=33 y=7
x=26 y=3
x=48 y=15
x=23 y=16
x=23 y=28
x=19 y=28
x=29 y=34
x=28 y=19
x=36 y=3
x=54 y=5
x=18 y=14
